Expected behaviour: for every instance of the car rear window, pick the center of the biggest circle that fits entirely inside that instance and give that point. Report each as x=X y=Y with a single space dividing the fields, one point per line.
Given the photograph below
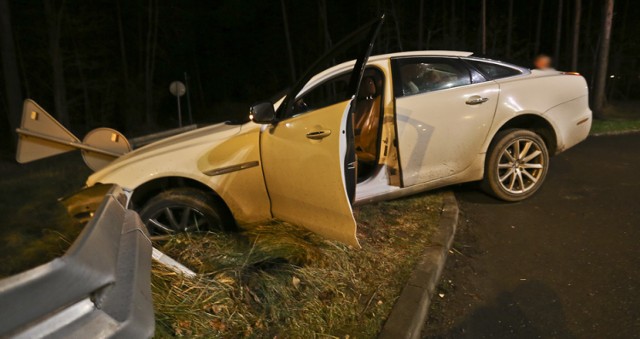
x=494 y=71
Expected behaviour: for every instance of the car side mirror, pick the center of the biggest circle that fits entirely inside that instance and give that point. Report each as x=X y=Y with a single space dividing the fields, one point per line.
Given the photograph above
x=262 y=113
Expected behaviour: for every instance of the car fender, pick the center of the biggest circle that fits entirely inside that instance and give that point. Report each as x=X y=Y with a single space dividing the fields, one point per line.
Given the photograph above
x=230 y=167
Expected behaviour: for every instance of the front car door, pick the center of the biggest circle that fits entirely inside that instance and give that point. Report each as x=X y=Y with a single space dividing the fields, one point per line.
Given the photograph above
x=307 y=153
x=444 y=110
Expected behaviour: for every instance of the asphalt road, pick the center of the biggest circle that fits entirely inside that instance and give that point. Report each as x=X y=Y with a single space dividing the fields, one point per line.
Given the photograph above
x=565 y=263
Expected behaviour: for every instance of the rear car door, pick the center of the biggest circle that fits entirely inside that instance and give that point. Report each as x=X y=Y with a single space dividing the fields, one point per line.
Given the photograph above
x=307 y=153
x=444 y=110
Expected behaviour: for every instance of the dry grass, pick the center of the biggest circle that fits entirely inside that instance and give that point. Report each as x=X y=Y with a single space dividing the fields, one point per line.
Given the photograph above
x=278 y=280
x=270 y=280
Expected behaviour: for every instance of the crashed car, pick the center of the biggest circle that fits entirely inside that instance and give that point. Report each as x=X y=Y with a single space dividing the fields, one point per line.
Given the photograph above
x=371 y=129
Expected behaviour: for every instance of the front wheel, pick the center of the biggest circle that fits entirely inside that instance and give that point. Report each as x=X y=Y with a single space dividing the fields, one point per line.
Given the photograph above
x=185 y=209
x=516 y=166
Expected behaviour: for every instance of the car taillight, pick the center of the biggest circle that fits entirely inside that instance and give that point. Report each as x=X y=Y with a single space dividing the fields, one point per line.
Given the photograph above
x=570 y=73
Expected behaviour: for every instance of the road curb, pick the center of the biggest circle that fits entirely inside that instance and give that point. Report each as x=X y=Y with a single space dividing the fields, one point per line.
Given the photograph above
x=410 y=310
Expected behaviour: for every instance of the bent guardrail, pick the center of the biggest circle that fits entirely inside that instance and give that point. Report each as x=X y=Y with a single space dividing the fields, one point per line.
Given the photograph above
x=100 y=288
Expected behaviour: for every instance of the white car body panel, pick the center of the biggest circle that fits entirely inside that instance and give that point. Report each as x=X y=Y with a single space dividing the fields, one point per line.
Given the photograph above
x=442 y=138
x=190 y=155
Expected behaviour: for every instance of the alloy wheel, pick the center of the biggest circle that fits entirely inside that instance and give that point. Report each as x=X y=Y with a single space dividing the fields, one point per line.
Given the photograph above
x=520 y=166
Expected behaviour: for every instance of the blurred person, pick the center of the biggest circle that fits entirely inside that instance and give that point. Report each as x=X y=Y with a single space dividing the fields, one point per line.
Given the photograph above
x=542 y=62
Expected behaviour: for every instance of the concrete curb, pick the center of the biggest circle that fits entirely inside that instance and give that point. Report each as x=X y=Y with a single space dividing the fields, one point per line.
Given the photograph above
x=410 y=310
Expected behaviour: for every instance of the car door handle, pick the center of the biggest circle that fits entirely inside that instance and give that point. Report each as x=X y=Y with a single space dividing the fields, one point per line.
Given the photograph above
x=476 y=100
x=317 y=135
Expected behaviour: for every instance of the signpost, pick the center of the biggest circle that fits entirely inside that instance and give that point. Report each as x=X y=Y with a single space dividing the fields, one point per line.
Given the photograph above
x=178 y=89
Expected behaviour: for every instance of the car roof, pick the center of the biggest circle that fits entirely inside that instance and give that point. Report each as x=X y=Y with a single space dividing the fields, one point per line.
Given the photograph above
x=420 y=53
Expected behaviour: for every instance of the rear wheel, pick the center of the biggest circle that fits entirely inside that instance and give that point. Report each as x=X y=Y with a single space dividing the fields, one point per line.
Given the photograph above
x=516 y=166
x=185 y=209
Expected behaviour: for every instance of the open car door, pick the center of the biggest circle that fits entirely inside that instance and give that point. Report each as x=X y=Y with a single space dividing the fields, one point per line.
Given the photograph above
x=308 y=156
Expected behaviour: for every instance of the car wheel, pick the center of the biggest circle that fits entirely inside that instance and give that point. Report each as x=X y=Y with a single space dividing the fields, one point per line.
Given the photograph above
x=516 y=166
x=185 y=209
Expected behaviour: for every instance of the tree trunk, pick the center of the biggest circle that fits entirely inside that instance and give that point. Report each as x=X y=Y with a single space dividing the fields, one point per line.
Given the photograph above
x=576 y=35
x=452 y=26
x=420 y=24
x=88 y=112
x=396 y=20
x=536 y=49
x=54 y=19
x=324 y=20
x=151 y=44
x=285 y=20
x=484 y=27
x=556 y=50
x=10 y=69
x=603 y=59
x=123 y=51
x=509 y=28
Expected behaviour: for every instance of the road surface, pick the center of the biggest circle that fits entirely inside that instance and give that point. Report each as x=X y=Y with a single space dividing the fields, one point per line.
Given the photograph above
x=565 y=263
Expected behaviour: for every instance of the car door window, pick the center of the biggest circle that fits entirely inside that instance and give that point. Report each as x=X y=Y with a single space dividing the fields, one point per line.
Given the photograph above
x=326 y=94
x=421 y=75
x=494 y=71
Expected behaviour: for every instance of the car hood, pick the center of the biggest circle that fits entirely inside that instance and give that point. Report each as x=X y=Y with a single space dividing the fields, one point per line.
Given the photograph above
x=173 y=144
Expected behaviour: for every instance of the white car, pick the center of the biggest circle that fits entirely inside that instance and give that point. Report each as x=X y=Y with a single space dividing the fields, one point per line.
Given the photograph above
x=402 y=124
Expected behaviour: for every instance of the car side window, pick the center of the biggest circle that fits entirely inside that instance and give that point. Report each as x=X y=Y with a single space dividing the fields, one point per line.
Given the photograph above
x=421 y=75
x=326 y=94
x=494 y=71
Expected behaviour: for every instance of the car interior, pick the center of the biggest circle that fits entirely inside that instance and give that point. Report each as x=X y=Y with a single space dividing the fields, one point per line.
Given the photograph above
x=367 y=122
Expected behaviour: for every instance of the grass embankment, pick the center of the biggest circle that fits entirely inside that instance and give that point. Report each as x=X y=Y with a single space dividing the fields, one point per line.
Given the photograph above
x=278 y=280
x=600 y=127
x=34 y=227
x=619 y=117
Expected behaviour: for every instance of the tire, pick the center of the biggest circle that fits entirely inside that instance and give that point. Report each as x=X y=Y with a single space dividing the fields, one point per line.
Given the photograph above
x=165 y=213
x=515 y=178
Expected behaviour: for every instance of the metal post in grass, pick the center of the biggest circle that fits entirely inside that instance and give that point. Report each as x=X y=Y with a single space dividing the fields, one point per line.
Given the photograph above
x=178 y=89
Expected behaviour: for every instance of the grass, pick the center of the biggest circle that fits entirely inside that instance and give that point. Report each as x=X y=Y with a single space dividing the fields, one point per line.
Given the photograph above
x=278 y=280
x=614 y=126
x=270 y=280
x=34 y=227
x=620 y=117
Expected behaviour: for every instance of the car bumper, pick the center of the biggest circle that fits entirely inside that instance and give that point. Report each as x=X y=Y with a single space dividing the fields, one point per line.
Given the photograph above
x=82 y=204
x=572 y=122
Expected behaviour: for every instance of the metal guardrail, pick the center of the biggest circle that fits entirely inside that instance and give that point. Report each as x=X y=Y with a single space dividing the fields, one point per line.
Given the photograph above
x=100 y=288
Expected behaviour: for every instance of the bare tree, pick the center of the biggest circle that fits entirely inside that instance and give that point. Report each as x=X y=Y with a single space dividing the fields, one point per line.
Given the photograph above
x=484 y=26
x=396 y=20
x=536 y=49
x=54 y=16
x=285 y=20
x=453 y=25
x=150 y=59
x=576 y=35
x=123 y=51
x=10 y=68
x=603 y=59
x=420 y=24
x=324 y=20
x=509 y=28
x=556 y=50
